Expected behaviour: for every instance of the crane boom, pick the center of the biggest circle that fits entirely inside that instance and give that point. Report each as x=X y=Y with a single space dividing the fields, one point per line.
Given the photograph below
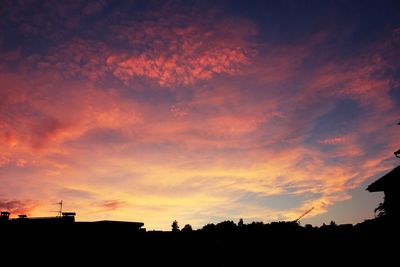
x=304 y=214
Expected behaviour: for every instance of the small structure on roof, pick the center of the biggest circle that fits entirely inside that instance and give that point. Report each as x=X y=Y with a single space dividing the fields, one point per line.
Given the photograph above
x=4 y=216
x=68 y=216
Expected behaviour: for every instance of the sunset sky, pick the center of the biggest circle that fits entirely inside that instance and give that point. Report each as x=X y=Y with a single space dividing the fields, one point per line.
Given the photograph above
x=198 y=111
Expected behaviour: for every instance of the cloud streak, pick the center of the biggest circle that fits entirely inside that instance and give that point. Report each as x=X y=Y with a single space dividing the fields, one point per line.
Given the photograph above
x=112 y=204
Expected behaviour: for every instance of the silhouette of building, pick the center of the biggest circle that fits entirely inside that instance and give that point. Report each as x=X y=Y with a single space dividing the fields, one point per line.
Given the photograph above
x=4 y=216
x=390 y=185
x=68 y=218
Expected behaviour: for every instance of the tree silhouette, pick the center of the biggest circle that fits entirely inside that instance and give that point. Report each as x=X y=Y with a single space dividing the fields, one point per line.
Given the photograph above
x=187 y=228
x=226 y=226
x=209 y=227
x=384 y=208
x=175 y=226
x=240 y=223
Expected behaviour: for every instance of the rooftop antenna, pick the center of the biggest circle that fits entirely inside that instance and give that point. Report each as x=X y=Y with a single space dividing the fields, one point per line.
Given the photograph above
x=59 y=212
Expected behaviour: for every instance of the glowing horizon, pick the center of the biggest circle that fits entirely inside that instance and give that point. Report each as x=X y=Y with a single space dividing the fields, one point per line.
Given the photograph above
x=197 y=112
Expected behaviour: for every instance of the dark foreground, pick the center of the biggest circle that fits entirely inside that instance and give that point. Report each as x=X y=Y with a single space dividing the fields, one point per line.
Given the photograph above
x=257 y=244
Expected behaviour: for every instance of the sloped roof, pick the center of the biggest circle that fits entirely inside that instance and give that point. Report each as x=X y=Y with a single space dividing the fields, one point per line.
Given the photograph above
x=389 y=180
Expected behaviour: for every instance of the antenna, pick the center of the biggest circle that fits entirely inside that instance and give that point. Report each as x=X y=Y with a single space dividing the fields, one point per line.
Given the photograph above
x=60 y=210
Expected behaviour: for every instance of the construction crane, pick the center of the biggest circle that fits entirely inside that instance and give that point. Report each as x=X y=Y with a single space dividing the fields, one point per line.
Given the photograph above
x=304 y=214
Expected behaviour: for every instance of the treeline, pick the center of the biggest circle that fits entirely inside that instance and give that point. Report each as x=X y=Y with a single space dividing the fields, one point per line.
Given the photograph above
x=229 y=226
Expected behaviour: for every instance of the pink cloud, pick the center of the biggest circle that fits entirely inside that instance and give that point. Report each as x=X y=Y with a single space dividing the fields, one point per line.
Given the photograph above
x=180 y=55
x=4 y=160
x=38 y=118
x=333 y=141
x=178 y=112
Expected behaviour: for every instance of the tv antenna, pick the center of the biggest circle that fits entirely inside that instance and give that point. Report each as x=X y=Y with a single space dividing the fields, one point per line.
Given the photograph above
x=59 y=212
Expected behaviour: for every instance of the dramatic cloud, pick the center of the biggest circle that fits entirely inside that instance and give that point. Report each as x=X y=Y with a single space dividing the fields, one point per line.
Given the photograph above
x=173 y=50
x=180 y=50
x=195 y=112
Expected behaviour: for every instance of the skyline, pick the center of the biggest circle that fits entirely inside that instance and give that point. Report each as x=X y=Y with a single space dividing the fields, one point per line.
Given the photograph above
x=198 y=112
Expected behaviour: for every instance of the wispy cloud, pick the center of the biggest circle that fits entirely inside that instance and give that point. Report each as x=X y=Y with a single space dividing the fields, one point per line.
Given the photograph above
x=112 y=204
x=332 y=141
